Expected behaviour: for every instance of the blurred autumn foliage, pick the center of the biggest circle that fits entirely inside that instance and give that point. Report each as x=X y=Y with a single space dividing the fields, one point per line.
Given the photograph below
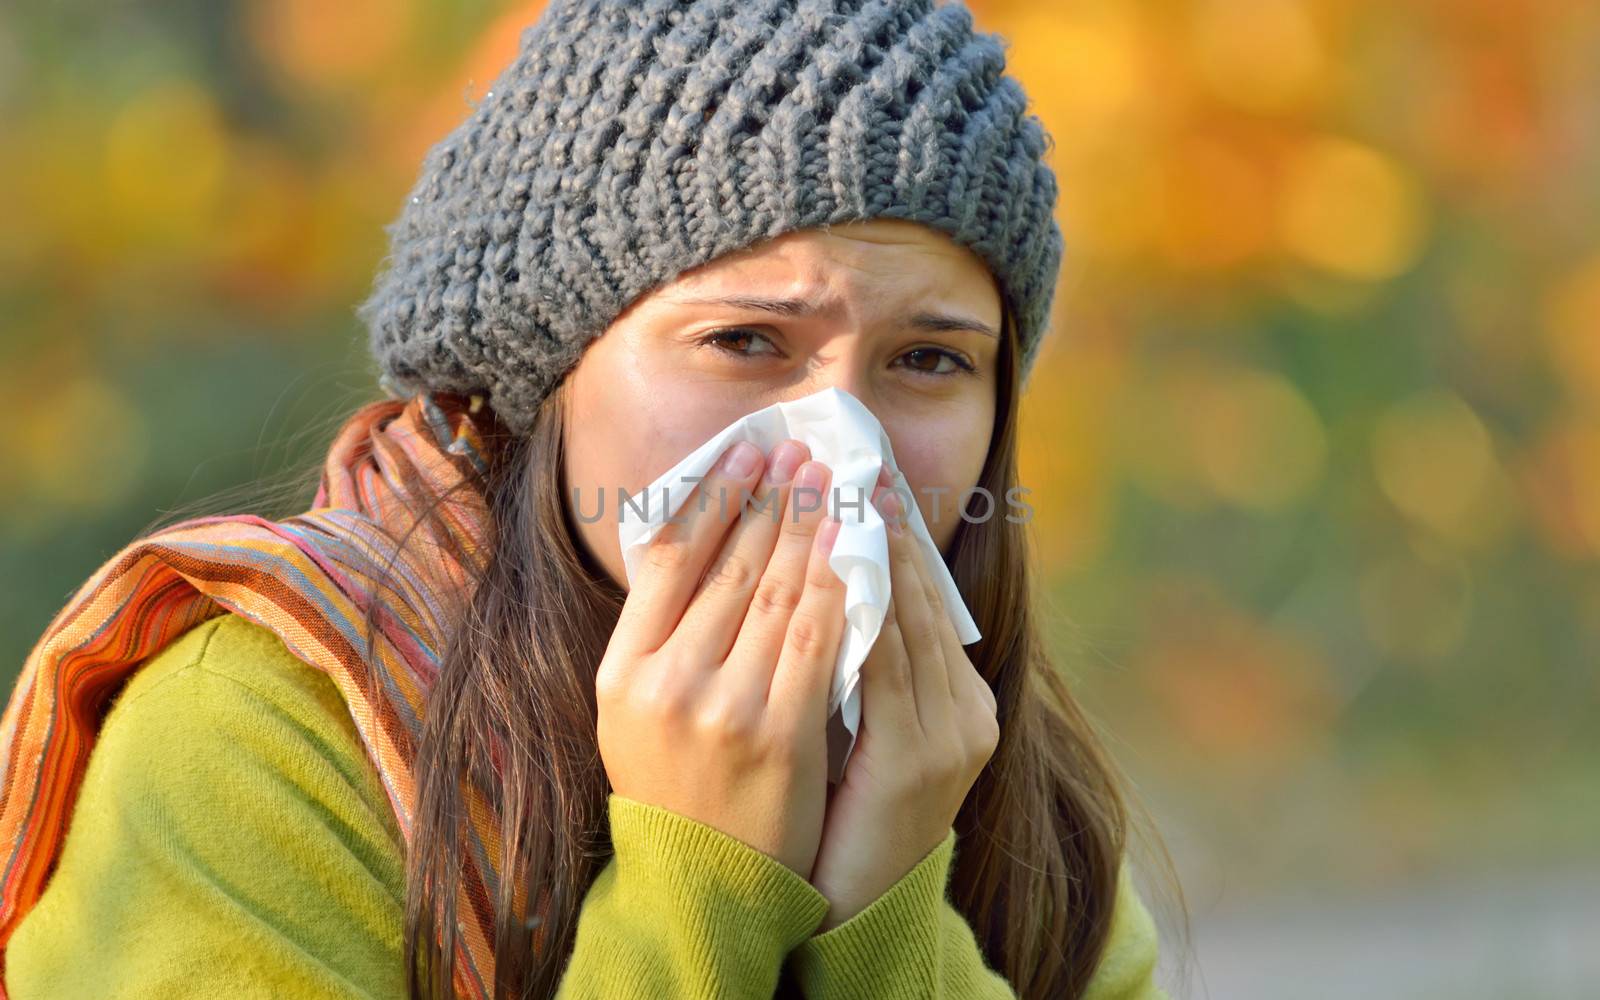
x=1314 y=447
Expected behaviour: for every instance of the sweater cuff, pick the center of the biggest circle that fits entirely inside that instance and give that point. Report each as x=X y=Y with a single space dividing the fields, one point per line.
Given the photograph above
x=893 y=943
x=716 y=881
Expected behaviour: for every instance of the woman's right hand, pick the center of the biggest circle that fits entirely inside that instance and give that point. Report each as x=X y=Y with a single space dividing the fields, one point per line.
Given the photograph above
x=713 y=691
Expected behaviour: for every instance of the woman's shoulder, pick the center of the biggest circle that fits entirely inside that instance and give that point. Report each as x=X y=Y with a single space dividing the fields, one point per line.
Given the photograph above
x=228 y=700
x=247 y=655
x=229 y=683
x=227 y=791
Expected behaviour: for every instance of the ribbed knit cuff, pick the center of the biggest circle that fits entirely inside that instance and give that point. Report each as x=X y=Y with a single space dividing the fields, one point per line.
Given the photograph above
x=739 y=899
x=891 y=949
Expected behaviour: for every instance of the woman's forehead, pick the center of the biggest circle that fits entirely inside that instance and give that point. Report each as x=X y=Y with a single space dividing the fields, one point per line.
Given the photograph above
x=849 y=261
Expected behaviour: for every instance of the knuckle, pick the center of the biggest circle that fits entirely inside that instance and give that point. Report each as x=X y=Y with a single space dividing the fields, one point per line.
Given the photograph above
x=662 y=697
x=608 y=687
x=985 y=736
x=731 y=574
x=806 y=634
x=898 y=673
x=667 y=555
x=985 y=691
x=725 y=721
x=927 y=632
x=776 y=596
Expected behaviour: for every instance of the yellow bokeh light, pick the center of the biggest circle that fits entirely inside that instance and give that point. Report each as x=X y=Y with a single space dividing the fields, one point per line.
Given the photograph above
x=80 y=445
x=1561 y=477
x=1111 y=205
x=421 y=124
x=1350 y=210
x=1219 y=434
x=1083 y=67
x=1215 y=205
x=1572 y=328
x=330 y=45
x=1063 y=453
x=1263 y=55
x=1435 y=461
x=1258 y=442
x=1585 y=474
x=166 y=160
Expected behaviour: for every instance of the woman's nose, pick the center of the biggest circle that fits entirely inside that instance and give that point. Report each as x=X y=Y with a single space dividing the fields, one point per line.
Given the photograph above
x=846 y=371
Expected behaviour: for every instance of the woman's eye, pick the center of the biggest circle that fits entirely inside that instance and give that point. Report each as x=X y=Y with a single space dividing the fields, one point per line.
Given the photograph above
x=942 y=361
x=745 y=342
x=733 y=339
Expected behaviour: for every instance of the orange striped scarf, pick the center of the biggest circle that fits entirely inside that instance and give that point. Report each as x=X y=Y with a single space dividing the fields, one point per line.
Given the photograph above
x=303 y=578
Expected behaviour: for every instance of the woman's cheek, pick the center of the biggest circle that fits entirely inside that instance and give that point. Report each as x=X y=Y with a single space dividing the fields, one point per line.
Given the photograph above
x=608 y=459
x=940 y=467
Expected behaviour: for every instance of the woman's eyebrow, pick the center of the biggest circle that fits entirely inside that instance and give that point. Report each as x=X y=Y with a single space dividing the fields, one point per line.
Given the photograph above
x=933 y=322
x=937 y=322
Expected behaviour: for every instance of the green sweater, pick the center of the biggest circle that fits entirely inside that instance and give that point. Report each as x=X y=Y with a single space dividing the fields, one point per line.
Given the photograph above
x=232 y=840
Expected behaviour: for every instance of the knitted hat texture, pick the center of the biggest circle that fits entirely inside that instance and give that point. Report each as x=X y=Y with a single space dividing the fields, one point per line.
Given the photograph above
x=628 y=142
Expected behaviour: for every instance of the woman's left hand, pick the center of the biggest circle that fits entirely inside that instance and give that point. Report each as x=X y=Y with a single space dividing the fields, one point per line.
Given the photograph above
x=928 y=727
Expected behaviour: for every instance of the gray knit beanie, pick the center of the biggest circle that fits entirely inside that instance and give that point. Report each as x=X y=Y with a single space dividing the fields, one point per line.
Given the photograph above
x=630 y=141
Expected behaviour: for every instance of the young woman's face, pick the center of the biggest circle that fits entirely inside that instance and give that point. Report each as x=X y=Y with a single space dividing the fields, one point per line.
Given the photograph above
x=893 y=312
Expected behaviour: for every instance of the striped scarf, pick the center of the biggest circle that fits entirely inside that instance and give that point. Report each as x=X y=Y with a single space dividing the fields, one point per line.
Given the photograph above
x=307 y=579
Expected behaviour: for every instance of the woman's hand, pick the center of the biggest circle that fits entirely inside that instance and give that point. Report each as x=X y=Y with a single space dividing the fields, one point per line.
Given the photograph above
x=928 y=727
x=713 y=691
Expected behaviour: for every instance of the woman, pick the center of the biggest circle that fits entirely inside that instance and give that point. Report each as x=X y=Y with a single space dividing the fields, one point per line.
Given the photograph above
x=426 y=738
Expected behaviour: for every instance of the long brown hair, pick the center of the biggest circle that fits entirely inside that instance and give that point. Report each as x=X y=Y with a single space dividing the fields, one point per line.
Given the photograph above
x=1040 y=837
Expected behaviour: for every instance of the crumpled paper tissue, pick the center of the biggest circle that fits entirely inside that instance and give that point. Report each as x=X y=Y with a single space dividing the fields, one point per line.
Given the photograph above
x=844 y=435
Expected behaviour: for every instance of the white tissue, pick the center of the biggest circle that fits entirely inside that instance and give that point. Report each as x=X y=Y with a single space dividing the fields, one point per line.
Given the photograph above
x=844 y=435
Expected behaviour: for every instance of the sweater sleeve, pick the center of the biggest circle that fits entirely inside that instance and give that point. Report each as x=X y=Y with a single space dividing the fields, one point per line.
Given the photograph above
x=685 y=910
x=913 y=942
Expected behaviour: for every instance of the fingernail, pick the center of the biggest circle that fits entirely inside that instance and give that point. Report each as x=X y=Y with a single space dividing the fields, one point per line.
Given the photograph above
x=785 y=459
x=811 y=476
x=889 y=505
x=741 y=459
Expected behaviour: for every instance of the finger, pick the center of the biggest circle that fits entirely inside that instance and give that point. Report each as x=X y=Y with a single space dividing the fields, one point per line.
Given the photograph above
x=974 y=698
x=962 y=675
x=675 y=559
x=969 y=692
x=919 y=624
x=888 y=700
x=718 y=606
x=765 y=627
x=962 y=671
x=955 y=656
x=797 y=696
